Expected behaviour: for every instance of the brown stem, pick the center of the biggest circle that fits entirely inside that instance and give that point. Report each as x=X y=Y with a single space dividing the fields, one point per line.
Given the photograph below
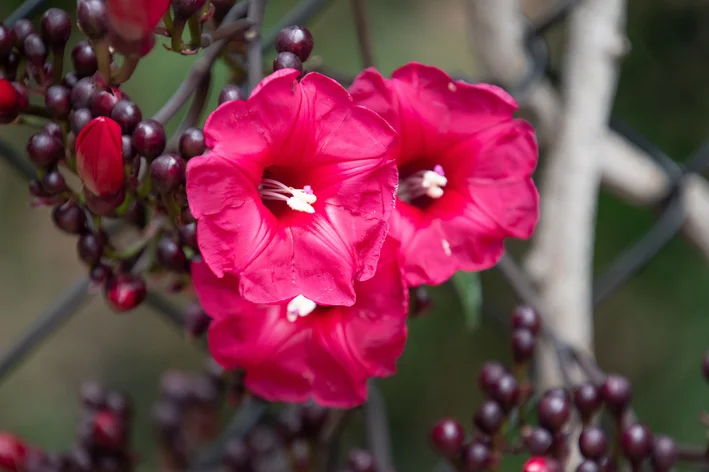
x=57 y=64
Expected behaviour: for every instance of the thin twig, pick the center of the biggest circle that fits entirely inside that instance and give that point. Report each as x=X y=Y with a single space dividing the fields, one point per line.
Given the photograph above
x=65 y=305
x=201 y=67
x=195 y=112
x=377 y=427
x=248 y=416
x=23 y=11
x=363 y=37
x=165 y=307
x=254 y=47
x=330 y=442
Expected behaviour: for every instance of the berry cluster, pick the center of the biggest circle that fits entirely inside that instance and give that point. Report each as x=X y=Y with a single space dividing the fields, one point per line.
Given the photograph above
x=127 y=168
x=103 y=439
x=503 y=425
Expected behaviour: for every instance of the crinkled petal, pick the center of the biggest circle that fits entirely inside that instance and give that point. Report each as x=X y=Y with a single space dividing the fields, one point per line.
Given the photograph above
x=218 y=296
x=237 y=237
x=270 y=276
x=271 y=349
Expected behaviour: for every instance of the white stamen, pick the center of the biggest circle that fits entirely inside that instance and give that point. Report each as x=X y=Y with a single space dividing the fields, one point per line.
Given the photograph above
x=425 y=182
x=299 y=307
x=446 y=247
x=296 y=198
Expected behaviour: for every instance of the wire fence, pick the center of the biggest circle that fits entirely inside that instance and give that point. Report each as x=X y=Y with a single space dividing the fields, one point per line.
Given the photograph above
x=611 y=278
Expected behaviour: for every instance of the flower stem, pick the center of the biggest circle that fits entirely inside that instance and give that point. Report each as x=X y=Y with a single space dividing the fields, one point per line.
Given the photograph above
x=195 y=31
x=178 y=28
x=103 y=57
x=167 y=20
x=57 y=64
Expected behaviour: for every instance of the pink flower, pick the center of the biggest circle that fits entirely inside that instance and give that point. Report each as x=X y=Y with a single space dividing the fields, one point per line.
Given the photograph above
x=99 y=156
x=298 y=350
x=295 y=193
x=134 y=20
x=465 y=169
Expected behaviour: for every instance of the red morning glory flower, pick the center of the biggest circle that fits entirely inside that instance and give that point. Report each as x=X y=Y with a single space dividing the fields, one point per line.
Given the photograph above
x=99 y=156
x=465 y=167
x=295 y=193
x=298 y=349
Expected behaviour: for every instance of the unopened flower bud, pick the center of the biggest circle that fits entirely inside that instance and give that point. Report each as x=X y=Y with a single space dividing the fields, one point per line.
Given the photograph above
x=99 y=156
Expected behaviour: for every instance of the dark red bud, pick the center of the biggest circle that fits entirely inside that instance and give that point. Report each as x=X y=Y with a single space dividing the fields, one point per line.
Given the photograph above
x=99 y=156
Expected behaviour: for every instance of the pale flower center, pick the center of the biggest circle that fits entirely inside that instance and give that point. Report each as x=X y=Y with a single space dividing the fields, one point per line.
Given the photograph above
x=299 y=307
x=424 y=182
x=299 y=199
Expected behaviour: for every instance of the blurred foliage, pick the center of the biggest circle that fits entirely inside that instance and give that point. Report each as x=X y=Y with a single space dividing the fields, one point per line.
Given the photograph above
x=653 y=330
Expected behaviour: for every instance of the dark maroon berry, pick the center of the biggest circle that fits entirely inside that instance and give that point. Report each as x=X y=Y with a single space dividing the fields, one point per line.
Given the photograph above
x=127 y=114
x=636 y=442
x=43 y=150
x=558 y=392
x=587 y=399
x=7 y=42
x=192 y=143
x=588 y=466
x=360 y=460
x=93 y=396
x=167 y=172
x=102 y=103
x=447 y=437
x=300 y=453
x=54 y=130
x=90 y=248
x=93 y=18
x=705 y=366
x=100 y=273
x=22 y=29
x=127 y=150
x=166 y=418
x=175 y=386
x=188 y=236
x=79 y=119
x=84 y=59
x=186 y=8
x=506 y=392
x=197 y=321
x=202 y=390
x=489 y=417
x=593 y=443
x=36 y=189
x=237 y=455
x=70 y=218
x=108 y=430
x=125 y=292
x=490 y=374
x=476 y=457
x=313 y=417
x=83 y=92
x=57 y=100
x=104 y=206
x=35 y=50
x=56 y=27
x=263 y=440
x=70 y=79
x=553 y=411
x=287 y=60
x=523 y=342
x=420 y=301
x=22 y=95
x=290 y=424
x=231 y=92
x=617 y=393
x=149 y=139
x=539 y=442
x=525 y=317
x=170 y=255
x=607 y=464
x=80 y=460
x=664 y=453
x=296 y=40
x=53 y=183
x=137 y=215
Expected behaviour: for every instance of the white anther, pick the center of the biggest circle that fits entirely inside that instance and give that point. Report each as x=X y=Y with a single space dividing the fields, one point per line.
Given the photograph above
x=433 y=179
x=308 y=198
x=299 y=204
x=435 y=192
x=299 y=307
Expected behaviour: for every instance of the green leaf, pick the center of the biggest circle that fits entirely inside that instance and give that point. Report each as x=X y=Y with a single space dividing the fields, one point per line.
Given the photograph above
x=467 y=286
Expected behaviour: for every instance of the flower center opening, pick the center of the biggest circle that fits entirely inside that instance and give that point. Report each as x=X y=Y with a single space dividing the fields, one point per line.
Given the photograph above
x=424 y=183
x=298 y=199
x=299 y=307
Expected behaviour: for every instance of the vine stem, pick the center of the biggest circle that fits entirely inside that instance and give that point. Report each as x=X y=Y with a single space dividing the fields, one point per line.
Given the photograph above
x=254 y=47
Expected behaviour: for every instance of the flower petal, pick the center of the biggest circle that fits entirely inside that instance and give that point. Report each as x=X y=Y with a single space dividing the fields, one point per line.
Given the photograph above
x=271 y=349
x=99 y=159
x=218 y=296
x=135 y=19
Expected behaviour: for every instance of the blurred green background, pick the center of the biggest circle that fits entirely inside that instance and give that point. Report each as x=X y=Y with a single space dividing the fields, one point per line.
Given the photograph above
x=655 y=330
